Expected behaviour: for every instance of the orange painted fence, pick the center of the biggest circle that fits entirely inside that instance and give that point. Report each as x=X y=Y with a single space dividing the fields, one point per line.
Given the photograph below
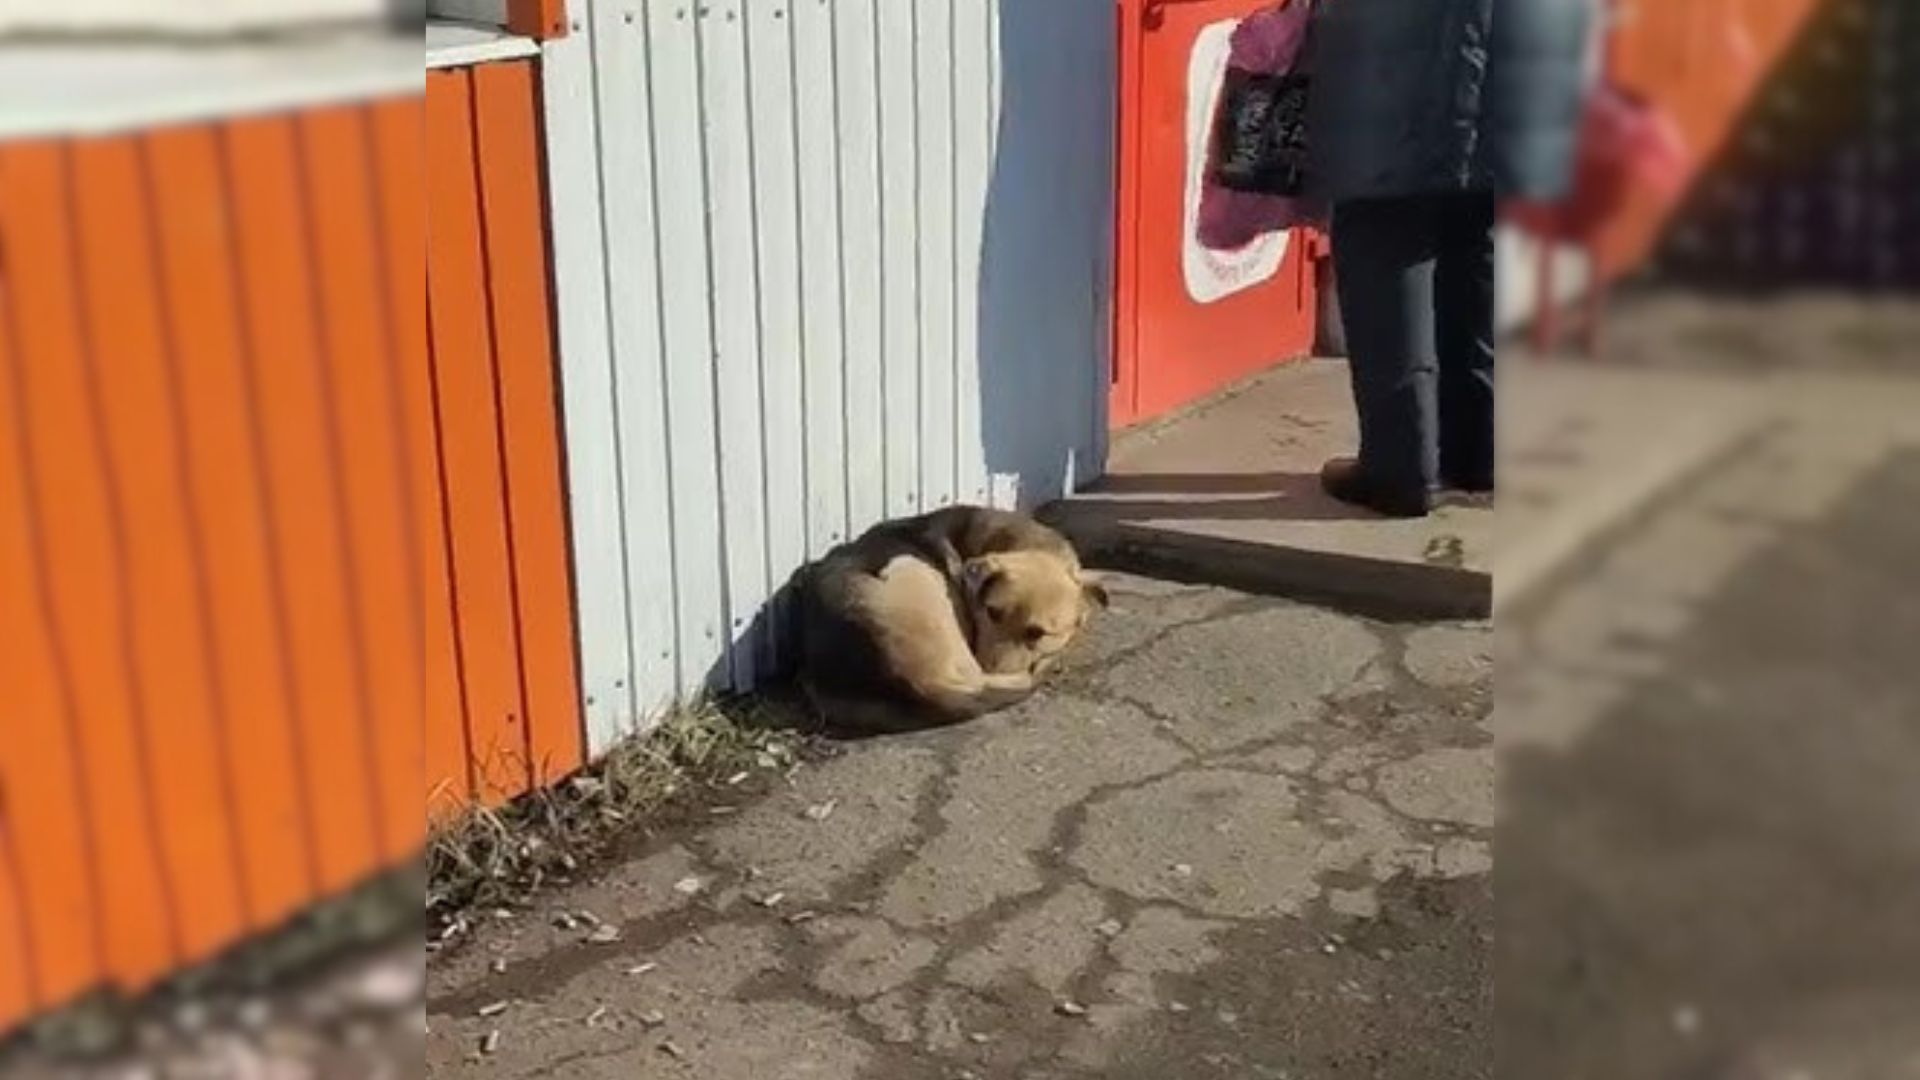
x=503 y=711
x=281 y=546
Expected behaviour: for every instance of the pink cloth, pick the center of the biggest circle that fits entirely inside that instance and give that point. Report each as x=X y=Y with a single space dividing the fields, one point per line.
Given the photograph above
x=1626 y=144
x=1267 y=42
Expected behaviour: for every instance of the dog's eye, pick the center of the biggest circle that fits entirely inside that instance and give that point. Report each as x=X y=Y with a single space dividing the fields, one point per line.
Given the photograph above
x=996 y=614
x=1035 y=634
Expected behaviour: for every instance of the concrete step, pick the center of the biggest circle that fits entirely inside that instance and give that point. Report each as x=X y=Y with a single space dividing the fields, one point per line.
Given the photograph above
x=1227 y=492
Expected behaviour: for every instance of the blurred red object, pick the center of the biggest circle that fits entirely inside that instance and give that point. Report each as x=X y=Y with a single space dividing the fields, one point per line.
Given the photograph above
x=1625 y=143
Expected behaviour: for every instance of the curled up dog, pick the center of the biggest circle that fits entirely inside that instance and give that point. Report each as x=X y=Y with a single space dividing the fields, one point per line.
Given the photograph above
x=938 y=618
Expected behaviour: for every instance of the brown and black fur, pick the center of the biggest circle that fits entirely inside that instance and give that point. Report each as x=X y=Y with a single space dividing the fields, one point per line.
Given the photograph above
x=959 y=533
x=912 y=664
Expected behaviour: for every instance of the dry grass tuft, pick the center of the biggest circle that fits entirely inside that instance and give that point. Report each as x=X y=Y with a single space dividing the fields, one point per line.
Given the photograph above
x=497 y=857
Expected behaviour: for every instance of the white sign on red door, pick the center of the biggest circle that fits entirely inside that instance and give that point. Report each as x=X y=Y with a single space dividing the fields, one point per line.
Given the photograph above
x=1213 y=275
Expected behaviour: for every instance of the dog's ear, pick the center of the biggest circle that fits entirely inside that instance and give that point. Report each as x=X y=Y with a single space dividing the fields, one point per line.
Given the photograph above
x=1095 y=592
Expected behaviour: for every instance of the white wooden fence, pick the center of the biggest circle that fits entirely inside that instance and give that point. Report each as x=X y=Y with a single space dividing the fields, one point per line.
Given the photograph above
x=818 y=263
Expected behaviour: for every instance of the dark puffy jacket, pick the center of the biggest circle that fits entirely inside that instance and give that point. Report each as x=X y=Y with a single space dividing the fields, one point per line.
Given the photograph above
x=1420 y=96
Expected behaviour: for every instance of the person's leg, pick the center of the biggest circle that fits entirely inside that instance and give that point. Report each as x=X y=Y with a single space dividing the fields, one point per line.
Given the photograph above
x=1463 y=323
x=1383 y=253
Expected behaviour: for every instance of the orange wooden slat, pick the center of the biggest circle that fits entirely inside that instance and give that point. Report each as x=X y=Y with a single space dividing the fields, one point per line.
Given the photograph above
x=394 y=133
x=163 y=557
x=166 y=558
x=16 y=984
x=82 y=559
x=302 y=459
x=448 y=762
x=400 y=160
x=360 y=362
x=225 y=448
x=515 y=215
x=469 y=443
x=52 y=951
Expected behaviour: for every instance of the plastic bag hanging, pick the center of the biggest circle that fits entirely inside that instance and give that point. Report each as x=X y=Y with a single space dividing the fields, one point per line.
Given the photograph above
x=1256 y=175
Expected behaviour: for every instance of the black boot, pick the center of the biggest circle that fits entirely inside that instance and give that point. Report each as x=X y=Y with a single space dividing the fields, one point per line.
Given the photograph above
x=1342 y=479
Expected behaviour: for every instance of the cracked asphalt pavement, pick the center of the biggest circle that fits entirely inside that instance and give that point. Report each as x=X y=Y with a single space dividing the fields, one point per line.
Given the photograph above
x=1235 y=837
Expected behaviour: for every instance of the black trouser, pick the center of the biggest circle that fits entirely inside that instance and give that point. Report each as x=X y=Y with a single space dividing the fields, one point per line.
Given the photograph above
x=1416 y=298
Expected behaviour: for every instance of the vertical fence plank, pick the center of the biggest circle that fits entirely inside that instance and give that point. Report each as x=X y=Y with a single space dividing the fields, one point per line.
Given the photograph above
x=995 y=80
x=392 y=130
x=50 y=864
x=684 y=274
x=783 y=338
x=735 y=298
x=78 y=539
x=16 y=984
x=999 y=491
x=449 y=762
x=463 y=351
x=513 y=216
x=17 y=990
x=16 y=574
x=314 y=574
x=972 y=173
x=823 y=346
x=611 y=675
x=192 y=207
x=934 y=62
x=897 y=89
x=400 y=155
x=857 y=98
x=176 y=724
x=627 y=208
x=359 y=364
x=57 y=924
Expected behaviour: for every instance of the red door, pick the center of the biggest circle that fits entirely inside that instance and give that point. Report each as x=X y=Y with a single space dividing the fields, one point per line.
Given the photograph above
x=1189 y=320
